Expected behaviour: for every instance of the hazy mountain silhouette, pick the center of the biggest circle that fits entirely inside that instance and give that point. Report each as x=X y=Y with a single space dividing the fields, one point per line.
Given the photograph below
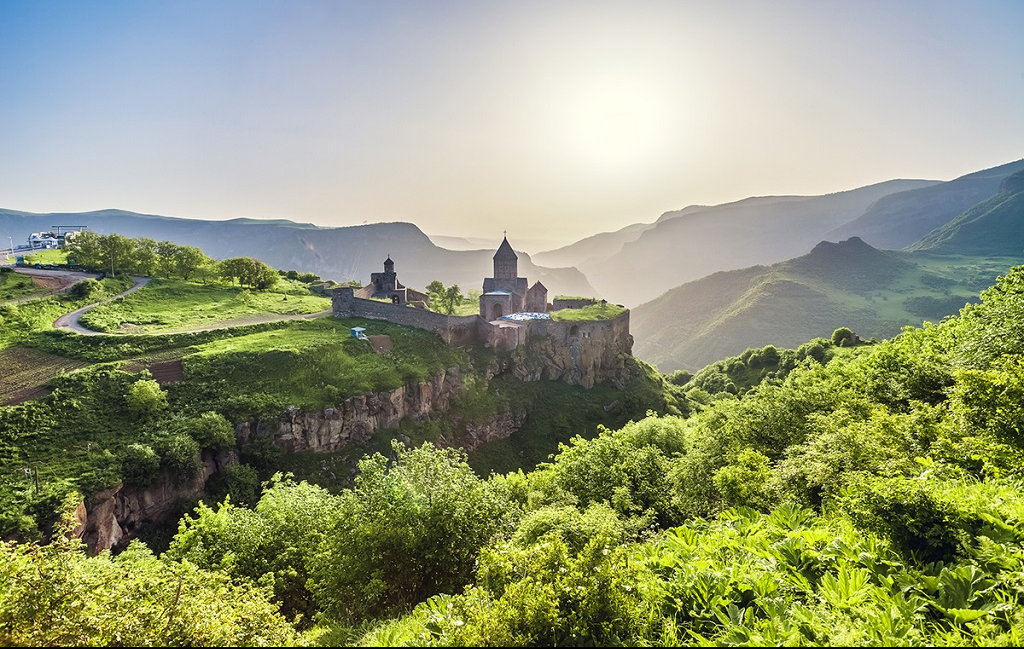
x=696 y=242
x=899 y=220
x=333 y=253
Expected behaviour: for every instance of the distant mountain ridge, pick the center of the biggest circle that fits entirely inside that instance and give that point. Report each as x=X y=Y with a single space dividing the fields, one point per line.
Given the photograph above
x=701 y=241
x=993 y=227
x=335 y=253
x=850 y=283
x=899 y=220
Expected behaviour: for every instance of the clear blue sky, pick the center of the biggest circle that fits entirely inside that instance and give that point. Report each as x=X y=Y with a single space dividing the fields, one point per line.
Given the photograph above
x=546 y=118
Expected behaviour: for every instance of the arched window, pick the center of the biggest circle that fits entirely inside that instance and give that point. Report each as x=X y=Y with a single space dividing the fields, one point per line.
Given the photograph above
x=574 y=330
x=496 y=312
x=395 y=299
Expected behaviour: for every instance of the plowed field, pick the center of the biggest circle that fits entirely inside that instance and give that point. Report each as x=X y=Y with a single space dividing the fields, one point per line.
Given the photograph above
x=25 y=372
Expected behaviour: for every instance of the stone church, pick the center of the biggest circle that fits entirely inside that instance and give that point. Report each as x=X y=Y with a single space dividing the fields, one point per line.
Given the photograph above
x=507 y=293
x=385 y=286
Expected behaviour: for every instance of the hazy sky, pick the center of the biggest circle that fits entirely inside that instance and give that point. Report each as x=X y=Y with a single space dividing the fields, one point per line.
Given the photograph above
x=549 y=118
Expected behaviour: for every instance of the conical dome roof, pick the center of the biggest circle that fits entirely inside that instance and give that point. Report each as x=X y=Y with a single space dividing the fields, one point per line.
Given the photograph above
x=505 y=251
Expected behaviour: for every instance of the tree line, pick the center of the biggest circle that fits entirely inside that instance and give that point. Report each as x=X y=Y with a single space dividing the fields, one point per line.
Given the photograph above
x=116 y=253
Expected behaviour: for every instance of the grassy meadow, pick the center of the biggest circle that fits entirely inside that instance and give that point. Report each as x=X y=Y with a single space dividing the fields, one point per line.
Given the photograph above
x=599 y=311
x=168 y=305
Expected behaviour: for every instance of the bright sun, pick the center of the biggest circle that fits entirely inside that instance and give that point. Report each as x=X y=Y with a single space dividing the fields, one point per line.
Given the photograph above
x=614 y=127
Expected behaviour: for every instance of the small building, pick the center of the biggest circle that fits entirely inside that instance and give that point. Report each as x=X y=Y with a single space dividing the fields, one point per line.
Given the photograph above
x=43 y=241
x=385 y=286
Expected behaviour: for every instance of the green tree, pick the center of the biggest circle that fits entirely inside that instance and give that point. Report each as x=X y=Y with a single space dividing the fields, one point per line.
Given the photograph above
x=146 y=399
x=144 y=257
x=167 y=254
x=842 y=336
x=85 y=249
x=409 y=529
x=444 y=300
x=116 y=253
x=272 y=544
x=188 y=261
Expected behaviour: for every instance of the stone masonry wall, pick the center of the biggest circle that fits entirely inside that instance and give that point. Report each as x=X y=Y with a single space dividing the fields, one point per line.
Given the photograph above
x=454 y=330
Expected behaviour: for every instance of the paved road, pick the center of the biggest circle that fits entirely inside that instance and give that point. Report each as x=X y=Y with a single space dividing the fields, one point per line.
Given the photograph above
x=69 y=321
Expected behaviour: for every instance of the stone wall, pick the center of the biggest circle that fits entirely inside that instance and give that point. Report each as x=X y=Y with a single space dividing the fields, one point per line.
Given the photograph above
x=558 y=305
x=454 y=330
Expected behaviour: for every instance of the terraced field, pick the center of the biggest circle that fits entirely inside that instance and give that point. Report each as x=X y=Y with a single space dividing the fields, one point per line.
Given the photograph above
x=24 y=373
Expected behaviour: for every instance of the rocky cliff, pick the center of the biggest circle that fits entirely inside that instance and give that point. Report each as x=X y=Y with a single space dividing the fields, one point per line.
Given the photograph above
x=354 y=421
x=113 y=517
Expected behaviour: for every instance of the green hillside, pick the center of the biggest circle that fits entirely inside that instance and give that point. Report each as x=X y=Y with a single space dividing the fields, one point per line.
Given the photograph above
x=899 y=220
x=850 y=284
x=994 y=227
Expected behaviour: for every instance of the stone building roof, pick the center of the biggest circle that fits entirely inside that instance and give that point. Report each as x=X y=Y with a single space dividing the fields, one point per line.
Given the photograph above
x=505 y=251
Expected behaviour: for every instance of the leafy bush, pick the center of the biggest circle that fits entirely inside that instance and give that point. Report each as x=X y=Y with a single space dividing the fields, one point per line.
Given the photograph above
x=139 y=465
x=408 y=530
x=54 y=595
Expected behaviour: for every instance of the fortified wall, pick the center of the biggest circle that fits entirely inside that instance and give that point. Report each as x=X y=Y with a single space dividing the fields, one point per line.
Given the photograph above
x=577 y=352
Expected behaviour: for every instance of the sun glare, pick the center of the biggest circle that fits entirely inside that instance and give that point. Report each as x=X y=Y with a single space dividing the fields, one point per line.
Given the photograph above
x=614 y=126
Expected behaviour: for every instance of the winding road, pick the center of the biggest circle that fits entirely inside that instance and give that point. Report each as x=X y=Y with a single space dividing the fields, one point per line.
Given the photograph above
x=69 y=321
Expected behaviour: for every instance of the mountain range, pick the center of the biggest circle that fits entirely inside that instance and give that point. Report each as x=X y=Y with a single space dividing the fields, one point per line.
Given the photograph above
x=851 y=283
x=341 y=254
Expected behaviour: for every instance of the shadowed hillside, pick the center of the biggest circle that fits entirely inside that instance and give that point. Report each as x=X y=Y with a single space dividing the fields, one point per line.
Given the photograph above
x=994 y=227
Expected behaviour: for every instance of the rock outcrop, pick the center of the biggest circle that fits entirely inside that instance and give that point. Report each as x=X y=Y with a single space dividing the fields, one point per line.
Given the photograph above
x=354 y=421
x=113 y=517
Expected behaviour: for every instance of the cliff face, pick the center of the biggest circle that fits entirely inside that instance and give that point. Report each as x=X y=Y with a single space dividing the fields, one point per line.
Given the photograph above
x=354 y=421
x=114 y=517
x=584 y=353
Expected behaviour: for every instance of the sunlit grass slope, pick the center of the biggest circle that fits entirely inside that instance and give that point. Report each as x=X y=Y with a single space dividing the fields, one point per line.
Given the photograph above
x=166 y=305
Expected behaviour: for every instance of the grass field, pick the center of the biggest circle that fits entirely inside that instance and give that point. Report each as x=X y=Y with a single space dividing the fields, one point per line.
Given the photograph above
x=21 y=321
x=25 y=371
x=600 y=311
x=14 y=286
x=167 y=305
x=56 y=256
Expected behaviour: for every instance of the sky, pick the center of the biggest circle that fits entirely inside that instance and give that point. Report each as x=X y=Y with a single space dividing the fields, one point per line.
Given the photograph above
x=551 y=119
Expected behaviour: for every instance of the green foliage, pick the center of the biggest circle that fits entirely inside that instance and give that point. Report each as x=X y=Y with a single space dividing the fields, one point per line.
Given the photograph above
x=842 y=336
x=444 y=300
x=270 y=545
x=408 y=530
x=53 y=595
x=249 y=272
x=85 y=289
x=626 y=469
x=600 y=311
x=146 y=399
x=139 y=465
